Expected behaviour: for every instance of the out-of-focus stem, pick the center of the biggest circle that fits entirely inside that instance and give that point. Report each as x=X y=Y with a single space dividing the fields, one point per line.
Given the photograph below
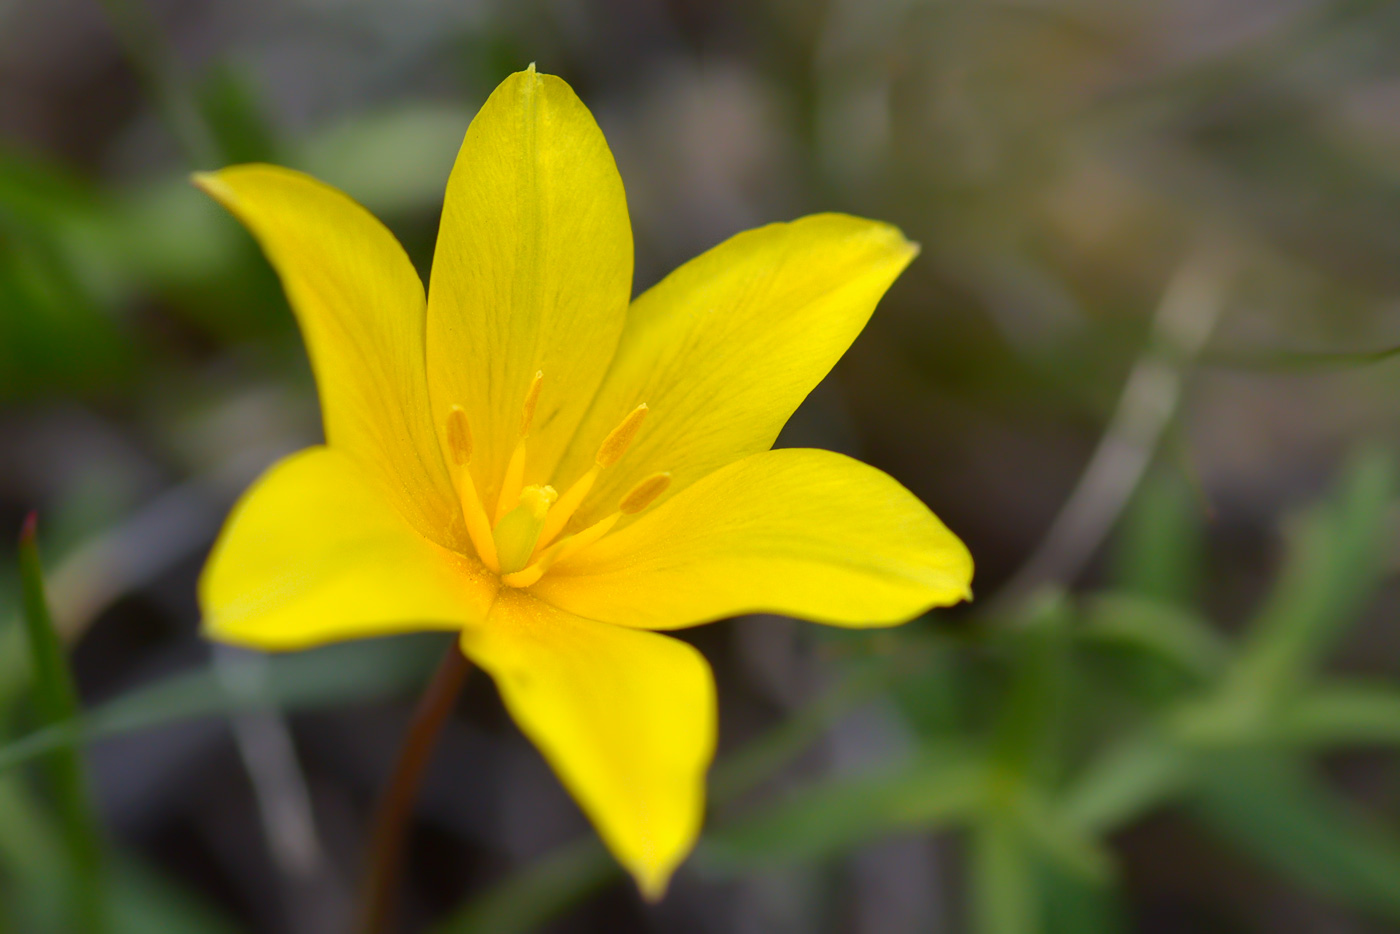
x=381 y=879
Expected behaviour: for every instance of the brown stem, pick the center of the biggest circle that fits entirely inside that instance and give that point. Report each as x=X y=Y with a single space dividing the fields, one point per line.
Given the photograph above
x=385 y=857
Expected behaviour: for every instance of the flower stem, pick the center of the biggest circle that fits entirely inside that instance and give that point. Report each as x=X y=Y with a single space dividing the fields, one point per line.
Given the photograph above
x=385 y=857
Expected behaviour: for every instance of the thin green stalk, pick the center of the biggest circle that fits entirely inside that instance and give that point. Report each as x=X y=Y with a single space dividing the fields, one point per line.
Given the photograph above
x=56 y=701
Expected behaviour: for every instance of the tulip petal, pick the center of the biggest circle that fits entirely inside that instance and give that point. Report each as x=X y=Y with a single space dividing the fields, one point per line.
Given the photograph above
x=360 y=306
x=725 y=348
x=314 y=553
x=803 y=533
x=626 y=718
x=532 y=273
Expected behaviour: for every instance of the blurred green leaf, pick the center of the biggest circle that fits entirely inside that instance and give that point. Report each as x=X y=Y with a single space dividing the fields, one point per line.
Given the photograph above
x=419 y=141
x=1061 y=840
x=1167 y=633
x=1291 y=361
x=1333 y=567
x=1076 y=905
x=233 y=108
x=938 y=788
x=1273 y=809
x=1004 y=898
x=348 y=672
x=1124 y=782
x=56 y=701
x=1345 y=713
x=1028 y=729
x=1159 y=548
x=761 y=759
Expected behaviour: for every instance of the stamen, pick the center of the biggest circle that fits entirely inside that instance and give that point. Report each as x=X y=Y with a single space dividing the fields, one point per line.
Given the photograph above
x=518 y=531
x=515 y=469
x=459 y=450
x=609 y=453
x=615 y=444
x=644 y=494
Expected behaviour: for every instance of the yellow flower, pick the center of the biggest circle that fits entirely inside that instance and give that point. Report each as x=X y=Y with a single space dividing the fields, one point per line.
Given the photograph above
x=532 y=461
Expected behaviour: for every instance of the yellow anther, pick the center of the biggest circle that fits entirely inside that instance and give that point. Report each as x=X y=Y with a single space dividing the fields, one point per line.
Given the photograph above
x=459 y=437
x=644 y=494
x=459 y=451
x=518 y=531
x=615 y=444
x=532 y=398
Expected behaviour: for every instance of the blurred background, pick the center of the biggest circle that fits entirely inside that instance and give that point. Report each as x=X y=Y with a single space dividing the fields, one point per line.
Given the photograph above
x=1142 y=366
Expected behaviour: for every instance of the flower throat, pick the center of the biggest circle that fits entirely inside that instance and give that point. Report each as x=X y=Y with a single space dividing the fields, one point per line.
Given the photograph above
x=522 y=540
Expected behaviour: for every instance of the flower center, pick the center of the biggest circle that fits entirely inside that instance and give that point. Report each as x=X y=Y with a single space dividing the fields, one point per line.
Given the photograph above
x=522 y=541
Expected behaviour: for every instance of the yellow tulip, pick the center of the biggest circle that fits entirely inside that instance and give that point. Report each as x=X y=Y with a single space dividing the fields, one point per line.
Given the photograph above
x=528 y=459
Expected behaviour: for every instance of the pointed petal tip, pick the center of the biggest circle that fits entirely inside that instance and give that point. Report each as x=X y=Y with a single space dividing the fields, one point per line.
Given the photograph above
x=213 y=185
x=652 y=881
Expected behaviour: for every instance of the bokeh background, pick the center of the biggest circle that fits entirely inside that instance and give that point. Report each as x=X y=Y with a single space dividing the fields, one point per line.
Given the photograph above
x=1142 y=366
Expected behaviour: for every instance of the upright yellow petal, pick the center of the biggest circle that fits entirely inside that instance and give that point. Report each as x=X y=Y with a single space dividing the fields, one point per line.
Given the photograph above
x=315 y=553
x=532 y=273
x=626 y=718
x=804 y=533
x=725 y=348
x=360 y=306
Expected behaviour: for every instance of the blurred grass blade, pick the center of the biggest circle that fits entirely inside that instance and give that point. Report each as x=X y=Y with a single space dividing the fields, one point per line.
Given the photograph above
x=1075 y=905
x=1270 y=807
x=1125 y=782
x=56 y=701
x=1029 y=722
x=936 y=789
x=1333 y=567
x=355 y=671
x=1160 y=551
x=1004 y=897
x=1167 y=633
x=1298 y=361
x=1349 y=713
x=1062 y=842
x=759 y=760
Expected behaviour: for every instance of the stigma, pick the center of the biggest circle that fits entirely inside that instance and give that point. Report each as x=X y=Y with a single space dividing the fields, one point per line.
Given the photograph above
x=523 y=536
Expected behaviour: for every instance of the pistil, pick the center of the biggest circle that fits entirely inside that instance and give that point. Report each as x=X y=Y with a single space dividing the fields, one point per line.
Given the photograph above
x=519 y=530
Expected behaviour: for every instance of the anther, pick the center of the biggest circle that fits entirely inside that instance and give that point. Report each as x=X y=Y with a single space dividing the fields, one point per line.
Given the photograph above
x=644 y=494
x=616 y=443
x=459 y=436
x=518 y=531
